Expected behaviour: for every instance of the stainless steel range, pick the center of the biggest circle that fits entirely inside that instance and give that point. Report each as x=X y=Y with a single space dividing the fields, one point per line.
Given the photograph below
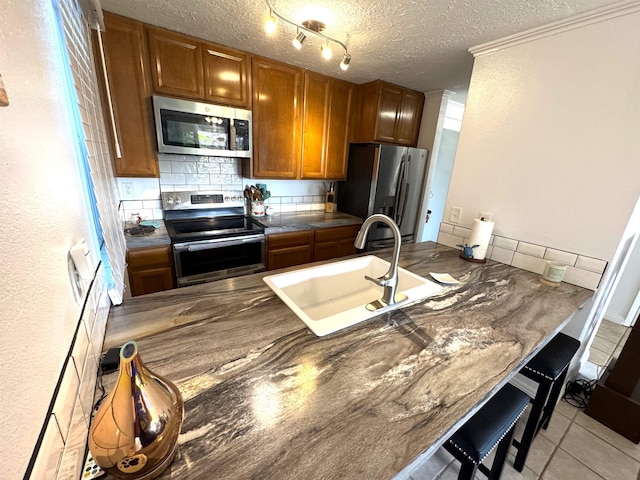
x=211 y=236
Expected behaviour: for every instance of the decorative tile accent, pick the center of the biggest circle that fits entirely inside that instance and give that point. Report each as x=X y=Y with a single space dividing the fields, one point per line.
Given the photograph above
x=591 y=264
x=506 y=243
x=560 y=256
x=531 y=249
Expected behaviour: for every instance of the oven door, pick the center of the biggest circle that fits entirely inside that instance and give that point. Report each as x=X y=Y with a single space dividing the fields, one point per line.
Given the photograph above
x=214 y=259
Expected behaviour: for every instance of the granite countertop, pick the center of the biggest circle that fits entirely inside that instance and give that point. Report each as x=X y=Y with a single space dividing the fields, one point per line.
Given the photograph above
x=158 y=238
x=296 y=221
x=266 y=398
x=276 y=223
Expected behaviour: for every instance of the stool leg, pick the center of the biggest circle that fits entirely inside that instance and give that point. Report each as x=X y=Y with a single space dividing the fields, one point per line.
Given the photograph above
x=501 y=455
x=467 y=470
x=531 y=427
x=553 y=398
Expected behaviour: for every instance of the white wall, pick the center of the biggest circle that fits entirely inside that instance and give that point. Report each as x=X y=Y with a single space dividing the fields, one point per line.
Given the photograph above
x=549 y=140
x=42 y=215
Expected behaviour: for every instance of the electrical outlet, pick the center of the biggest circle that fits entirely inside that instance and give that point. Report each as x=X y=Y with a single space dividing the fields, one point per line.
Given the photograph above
x=456 y=213
x=127 y=190
x=486 y=215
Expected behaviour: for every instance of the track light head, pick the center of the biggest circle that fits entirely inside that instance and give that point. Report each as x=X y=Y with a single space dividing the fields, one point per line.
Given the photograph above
x=271 y=24
x=299 y=40
x=346 y=60
x=326 y=52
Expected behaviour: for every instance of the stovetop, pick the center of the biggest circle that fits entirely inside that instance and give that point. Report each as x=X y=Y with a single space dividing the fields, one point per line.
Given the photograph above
x=193 y=216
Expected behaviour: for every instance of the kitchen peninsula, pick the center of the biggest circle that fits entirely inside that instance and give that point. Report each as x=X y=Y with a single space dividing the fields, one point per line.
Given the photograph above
x=266 y=398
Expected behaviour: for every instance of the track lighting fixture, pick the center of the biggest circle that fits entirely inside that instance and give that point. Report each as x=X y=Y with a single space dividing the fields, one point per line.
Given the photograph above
x=311 y=26
x=299 y=40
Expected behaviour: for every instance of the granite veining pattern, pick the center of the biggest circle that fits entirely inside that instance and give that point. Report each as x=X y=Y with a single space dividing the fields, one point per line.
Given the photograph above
x=295 y=221
x=266 y=398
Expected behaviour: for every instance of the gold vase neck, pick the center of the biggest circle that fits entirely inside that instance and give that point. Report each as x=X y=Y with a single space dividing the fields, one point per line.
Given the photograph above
x=128 y=352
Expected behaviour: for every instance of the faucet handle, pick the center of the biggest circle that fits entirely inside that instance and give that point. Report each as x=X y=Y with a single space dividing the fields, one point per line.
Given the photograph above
x=378 y=281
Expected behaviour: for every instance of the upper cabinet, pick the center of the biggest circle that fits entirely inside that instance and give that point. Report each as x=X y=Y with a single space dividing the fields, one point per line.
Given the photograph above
x=184 y=66
x=128 y=103
x=388 y=113
x=327 y=108
x=176 y=64
x=277 y=120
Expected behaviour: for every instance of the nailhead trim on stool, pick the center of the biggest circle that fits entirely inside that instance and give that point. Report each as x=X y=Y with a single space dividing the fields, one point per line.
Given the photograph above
x=549 y=368
x=490 y=427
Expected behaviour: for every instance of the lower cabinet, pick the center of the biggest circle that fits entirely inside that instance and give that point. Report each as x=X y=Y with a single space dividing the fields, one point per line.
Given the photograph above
x=297 y=248
x=334 y=242
x=289 y=249
x=150 y=270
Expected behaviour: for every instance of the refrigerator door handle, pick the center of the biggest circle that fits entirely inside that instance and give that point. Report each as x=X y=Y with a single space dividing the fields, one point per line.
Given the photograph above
x=402 y=195
x=397 y=215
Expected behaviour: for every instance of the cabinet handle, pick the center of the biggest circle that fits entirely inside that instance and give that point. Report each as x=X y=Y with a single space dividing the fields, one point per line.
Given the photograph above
x=109 y=101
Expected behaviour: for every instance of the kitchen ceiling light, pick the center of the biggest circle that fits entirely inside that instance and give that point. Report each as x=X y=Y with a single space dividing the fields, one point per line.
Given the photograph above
x=299 y=40
x=326 y=52
x=312 y=26
x=271 y=24
x=344 y=64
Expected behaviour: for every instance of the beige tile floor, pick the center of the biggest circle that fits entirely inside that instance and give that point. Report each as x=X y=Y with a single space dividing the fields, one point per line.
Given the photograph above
x=574 y=447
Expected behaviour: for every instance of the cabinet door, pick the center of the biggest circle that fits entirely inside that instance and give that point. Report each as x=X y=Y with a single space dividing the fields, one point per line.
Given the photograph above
x=150 y=270
x=277 y=119
x=337 y=150
x=317 y=96
x=389 y=105
x=151 y=280
x=177 y=64
x=289 y=249
x=334 y=242
x=127 y=65
x=409 y=117
x=227 y=76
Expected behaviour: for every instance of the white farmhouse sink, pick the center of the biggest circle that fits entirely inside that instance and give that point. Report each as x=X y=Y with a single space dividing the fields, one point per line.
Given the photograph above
x=330 y=297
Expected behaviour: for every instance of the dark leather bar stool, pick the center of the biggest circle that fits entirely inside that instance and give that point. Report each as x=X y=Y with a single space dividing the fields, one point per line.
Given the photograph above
x=549 y=369
x=492 y=426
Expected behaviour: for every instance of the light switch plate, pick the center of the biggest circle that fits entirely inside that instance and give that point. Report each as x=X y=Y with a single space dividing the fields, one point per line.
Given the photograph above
x=456 y=213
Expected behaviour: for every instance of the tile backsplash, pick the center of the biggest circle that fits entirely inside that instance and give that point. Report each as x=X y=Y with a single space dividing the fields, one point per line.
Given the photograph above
x=581 y=270
x=61 y=454
x=141 y=196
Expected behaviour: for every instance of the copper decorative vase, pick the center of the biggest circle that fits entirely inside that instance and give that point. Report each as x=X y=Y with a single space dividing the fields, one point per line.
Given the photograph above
x=134 y=433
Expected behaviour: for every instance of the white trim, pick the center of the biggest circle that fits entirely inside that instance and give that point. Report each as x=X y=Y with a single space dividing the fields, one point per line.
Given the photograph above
x=578 y=21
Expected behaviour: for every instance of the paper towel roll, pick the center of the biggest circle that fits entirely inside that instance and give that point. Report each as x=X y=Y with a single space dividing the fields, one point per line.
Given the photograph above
x=480 y=235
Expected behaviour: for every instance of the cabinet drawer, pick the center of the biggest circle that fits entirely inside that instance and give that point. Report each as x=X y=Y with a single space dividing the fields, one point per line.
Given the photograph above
x=142 y=258
x=336 y=233
x=292 y=239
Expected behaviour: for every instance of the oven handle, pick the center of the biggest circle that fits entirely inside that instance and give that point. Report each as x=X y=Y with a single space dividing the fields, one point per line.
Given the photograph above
x=216 y=243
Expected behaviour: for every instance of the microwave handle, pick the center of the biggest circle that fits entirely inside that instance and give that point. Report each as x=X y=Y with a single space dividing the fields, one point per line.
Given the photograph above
x=109 y=100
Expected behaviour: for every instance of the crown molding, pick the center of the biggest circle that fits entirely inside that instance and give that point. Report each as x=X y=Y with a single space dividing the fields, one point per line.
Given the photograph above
x=597 y=15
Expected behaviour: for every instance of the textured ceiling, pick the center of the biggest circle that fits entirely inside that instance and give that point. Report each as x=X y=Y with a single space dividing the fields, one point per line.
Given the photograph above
x=420 y=44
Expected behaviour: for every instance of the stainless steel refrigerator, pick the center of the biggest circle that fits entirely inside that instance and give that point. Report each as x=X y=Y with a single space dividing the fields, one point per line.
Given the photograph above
x=384 y=179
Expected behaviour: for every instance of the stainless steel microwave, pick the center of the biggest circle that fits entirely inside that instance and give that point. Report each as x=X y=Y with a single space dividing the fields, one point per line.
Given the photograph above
x=193 y=128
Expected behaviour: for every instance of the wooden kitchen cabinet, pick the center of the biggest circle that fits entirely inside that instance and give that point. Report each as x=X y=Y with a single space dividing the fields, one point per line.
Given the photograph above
x=129 y=86
x=334 y=242
x=150 y=270
x=327 y=108
x=185 y=66
x=388 y=113
x=227 y=76
x=277 y=120
x=176 y=63
x=289 y=249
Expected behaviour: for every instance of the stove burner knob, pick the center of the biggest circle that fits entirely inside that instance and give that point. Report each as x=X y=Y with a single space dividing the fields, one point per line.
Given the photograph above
x=178 y=200
x=234 y=199
x=226 y=199
x=170 y=201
